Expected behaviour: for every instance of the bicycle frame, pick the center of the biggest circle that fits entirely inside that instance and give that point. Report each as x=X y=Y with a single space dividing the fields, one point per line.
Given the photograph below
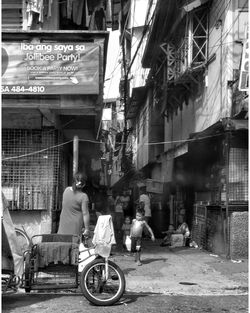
x=86 y=255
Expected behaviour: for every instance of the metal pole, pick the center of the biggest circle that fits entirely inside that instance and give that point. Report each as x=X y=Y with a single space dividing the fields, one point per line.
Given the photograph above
x=227 y=196
x=171 y=207
x=75 y=154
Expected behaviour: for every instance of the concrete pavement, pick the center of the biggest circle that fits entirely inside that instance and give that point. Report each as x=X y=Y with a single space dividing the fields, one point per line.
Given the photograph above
x=182 y=271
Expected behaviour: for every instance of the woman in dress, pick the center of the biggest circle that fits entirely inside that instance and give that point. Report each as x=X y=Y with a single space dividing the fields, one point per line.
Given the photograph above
x=75 y=211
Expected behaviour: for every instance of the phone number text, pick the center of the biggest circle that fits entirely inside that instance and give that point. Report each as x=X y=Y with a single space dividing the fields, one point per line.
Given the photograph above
x=22 y=89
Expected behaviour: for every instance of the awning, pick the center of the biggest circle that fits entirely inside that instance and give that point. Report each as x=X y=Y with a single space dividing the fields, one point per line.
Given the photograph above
x=225 y=124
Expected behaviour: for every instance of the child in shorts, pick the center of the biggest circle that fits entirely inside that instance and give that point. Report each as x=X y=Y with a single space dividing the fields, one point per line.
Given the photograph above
x=126 y=230
x=137 y=226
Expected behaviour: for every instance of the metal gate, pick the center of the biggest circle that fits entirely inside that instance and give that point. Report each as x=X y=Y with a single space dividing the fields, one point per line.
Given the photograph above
x=31 y=164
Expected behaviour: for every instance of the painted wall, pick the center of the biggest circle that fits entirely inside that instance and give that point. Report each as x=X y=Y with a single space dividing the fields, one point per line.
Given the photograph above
x=113 y=68
x=142 y=140
x=182 y=124
x=138 y=74
x=156 y=172
x=138 y=15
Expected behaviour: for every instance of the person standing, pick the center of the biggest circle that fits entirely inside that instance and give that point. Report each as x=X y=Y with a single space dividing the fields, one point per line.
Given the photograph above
x=136 y=230
x=126 y=230
x=119 y=216
x=125 y=199
x=144 y=202
x=75 y=211
x=111 y=205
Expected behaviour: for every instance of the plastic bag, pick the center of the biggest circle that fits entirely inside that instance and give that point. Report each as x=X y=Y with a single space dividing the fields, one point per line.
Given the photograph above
x=128 y=243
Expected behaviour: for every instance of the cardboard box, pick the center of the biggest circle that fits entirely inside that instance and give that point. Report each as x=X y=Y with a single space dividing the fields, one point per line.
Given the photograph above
x=177 y=240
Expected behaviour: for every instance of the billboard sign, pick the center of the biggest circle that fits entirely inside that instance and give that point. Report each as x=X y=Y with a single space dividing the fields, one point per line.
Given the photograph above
x=50 y=68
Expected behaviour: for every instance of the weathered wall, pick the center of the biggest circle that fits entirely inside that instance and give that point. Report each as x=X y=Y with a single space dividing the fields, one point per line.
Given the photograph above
x=211 y=101
x=239 y=235
x=142 y=136
x=34 y=222
x=209 y=232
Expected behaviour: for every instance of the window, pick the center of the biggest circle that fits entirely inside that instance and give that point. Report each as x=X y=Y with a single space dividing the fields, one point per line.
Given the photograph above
x=191 y=40
x=243 y=4
x=199 y=34
x=12 y=14
x=29 y=178
x=242 y=19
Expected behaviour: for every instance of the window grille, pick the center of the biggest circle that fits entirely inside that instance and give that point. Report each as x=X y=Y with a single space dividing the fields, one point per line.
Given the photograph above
x=238 y=174
x=30 y=168
x=191 y=41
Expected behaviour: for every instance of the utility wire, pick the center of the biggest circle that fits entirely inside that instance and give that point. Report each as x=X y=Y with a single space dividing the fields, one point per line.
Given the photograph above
x=99 y=142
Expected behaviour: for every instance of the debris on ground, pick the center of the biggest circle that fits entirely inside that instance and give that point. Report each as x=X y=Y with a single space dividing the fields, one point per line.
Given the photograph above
x=214 y=255
x=236 y=261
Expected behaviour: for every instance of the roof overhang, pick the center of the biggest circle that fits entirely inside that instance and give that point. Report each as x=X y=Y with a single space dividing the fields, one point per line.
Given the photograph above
x=225 y=124
x=164 y=18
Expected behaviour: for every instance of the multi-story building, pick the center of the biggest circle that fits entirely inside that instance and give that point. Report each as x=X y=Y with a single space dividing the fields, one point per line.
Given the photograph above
x=53 y=65
x=190 y=119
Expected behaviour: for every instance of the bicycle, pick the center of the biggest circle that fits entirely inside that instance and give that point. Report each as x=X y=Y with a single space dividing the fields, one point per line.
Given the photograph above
x=102 y=281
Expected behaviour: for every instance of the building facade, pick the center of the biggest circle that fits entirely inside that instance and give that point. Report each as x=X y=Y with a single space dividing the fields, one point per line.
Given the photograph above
x=53 y=66
x=189 y=120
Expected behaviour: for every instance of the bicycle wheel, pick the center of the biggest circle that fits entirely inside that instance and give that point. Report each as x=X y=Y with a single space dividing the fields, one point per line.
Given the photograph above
x=27 y=273
x=99 y=290
x=22 y=239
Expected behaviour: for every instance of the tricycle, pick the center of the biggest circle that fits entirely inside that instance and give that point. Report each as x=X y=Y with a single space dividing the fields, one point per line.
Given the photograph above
x=56 y=261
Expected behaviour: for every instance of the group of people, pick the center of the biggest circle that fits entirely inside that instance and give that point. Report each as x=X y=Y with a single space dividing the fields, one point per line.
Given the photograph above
x=75 y=215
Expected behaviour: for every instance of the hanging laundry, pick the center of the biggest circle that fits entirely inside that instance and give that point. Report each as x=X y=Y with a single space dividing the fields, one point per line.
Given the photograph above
x=97 y=11
x=63 y=9
x=35 y=6
x=47 y=8
x=87 y=15
x=50 y=8
x=69 y=8
x=109 y=13
x=104 y=235
x=78 y=6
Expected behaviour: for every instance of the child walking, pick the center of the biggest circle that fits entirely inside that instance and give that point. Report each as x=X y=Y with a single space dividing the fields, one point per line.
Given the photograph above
x=136 y=230
x=126 y=230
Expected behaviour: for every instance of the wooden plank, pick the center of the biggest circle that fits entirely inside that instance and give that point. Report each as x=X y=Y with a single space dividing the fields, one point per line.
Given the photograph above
x=34 y=103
